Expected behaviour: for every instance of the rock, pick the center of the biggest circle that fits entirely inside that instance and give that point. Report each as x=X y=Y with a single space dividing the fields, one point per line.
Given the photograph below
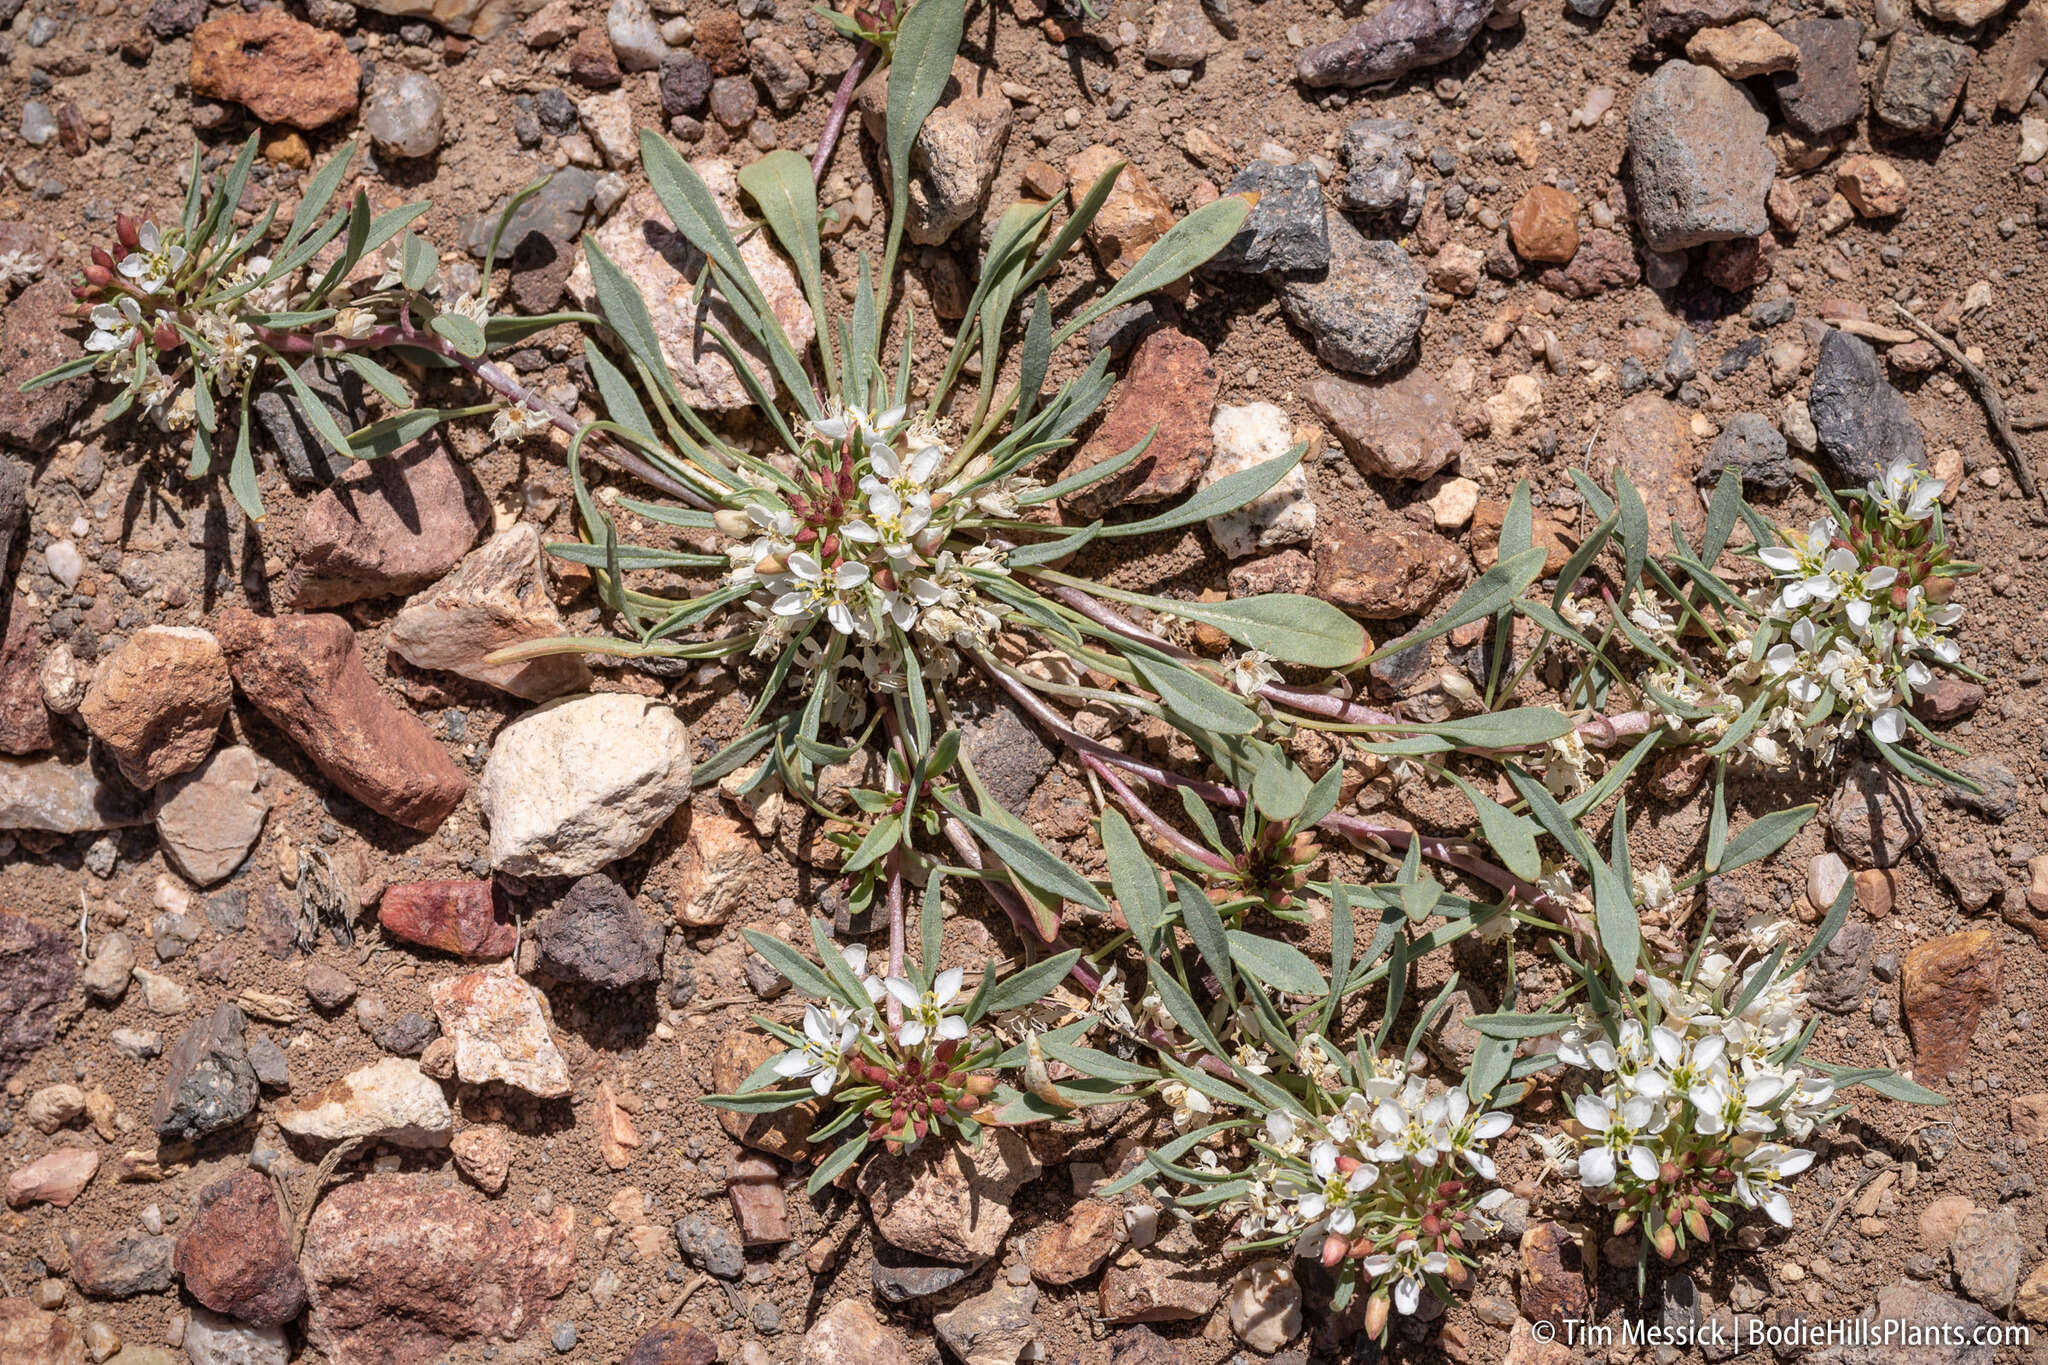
x=556 y=212
x=157 y=702
x=1945 y=986
x=1840 y=978
x=592 y=63
x=1157 y=1288
x=597 y=936
x=29 y=1336
x=214 y=1340
x=1285 y=514
x=38 y=331
x=849 y=1333
x=1544 y=225
x=1285 y=231
x=1750 y=445
x=328 y=987
x=484 y=1154
x=684 y=84
x=1365 y=311
x=954 y=160
x=1181 y=35
x=304 y=455
x=1743 y=50
x=2024 y=63
x=2000 y=796
x=608 y=121
x=1740 y=264
x=1403 y=570
x=948 y=1203
x=26 y=723
x=1400 y=428
x=385 y=527
x=1075 y=1248
x=233 y=1254
x=780 y=74
x=1133 y=215
x=1950 y=699
x=474 y=18
x=1170 y=386
x=1862 y=421
x=122 y=1265
x=635 y=35
x=784 y=1133
x=754 y=1186
x=106 y=976
x=281 y=70
x=582 y=781
x=995 y=1328
x=1650 y=440
x=500 y=1032
x=1603 y=262
x=390 y=1099
x=1973 y=873
x=1553 y=1274
x=1918 y=81
x=208 y=1082
x=495 y=598
x=54 y=1179
x=1290 y=571
x=2029 y=1116
x=1264 y=1303
x=471 y=1273
x=708 y=1247
x=1941 y=1220
x=1822 y=93
x=901 y=1279
x=1004 y=747
x=664 y=268
x=403 y=117
x=1698 y=162
x=304 y=675
x=1945 y=1330
x=467 y=918
x=1672 y=21
x=1399 y=38
x=1875 y=816
x=1986 y=1252
x=36 y=974
x=1143 y=1346
x=681 y=1345
x=208 y=820
x=721 y=860
x=1874 y=187
x=1379 y=154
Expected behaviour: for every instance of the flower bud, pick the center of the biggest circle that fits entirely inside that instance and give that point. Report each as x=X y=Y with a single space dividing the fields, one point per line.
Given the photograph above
x=730 y=521
x=1335 y=1249
x=127 y=232
x=829 y=547
x=99 y=275
x=1696 y=1224
x=1455 y=1272
x=1376 y=1314
x=166 y=337
x=981 y=1084
x=928 y=541
x=1624 y=1222
x=1940 y=590
x=1666 y=1242
x=770 y=564
x=1667 y=1172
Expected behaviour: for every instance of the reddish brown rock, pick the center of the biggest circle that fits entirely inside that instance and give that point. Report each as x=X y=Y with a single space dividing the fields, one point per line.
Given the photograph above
x=1287 y=571
x=39 y=331
x=233 y=1255
x=467 y=918
x=1945 y=987
x=36 y=973
x=784 y=1133
x=157 y=702
x=721 y=40
x=1650 y=439
x=1075 y=1248
x=1544 y=225
x=484 y=1154
x=402 y=1269
x=1950 y=699
x=1742 y=263
x=1402 y=570
x=2029 y=1117
x=673 y=1346
x=1553 y=1274
x=1399 y=428
x=592 y=62
x=948 y=1204
x=1604 y=261
x=281 y=70
x=386 y=526
x=1159 y=1288
x=26 y=725
x=29 y=1336
x=120 y=1265
x=304 y=675
x=1133 y=216
x=1171 y=384
x=754 y=1185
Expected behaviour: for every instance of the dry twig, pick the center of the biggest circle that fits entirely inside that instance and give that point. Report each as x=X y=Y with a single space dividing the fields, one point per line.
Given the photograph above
x=1986 y=390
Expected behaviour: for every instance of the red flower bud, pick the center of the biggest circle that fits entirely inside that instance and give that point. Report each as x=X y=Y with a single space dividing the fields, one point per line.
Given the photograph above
x=167 y=338
x=127 y=232
x=1335 y=1248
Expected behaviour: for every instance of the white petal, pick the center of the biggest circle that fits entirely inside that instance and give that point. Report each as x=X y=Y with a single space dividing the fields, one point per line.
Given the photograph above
x=905 y=993
x=1588 y=1110
x=1596 y=1167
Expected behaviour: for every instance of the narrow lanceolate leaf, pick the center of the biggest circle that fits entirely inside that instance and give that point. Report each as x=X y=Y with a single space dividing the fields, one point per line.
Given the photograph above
x=1511 y=836
x=1762 y=837
x=1134 y=879
x=1194 y=698
x=1517 y=1025
x=1030 y=985
x=1205 y=927
x=1522 y=727
x=1185 y=247
x=1011 y=840
x=780 y=186
x=1279 y=965
x=920 y=64
x=802 y=973
x=1487 y=594
x=1295 y=629
x=1225 y=495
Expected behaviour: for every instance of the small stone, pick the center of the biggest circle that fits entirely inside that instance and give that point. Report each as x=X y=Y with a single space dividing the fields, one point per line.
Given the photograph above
x=779 y=73
x=233 y=1255
x=390 y=1099
x=1286 y=229
x=1986 y=1252
x=1553 y=1274
x=385 y=527
x=282 y=70
x=684 y=84
x=957 y=152
x=1918 y=82
x=211 y=1339
x=1840 y=978
x=1401 y=571
x=635 y=36
x=1972 y=872
x=1379 y=153
x=1181 y=35
x=1400 y=428
x=157 y=702
x=208 y=1084
x=122 y=1265
x=1750 y=445
x=597 y=936
x=467 y=918
x=783 y=1133
x=208 y=820
x=1605 y=261
x=1366 y=309
x=1394 y=41
x=403 y=117
x=484 y=1154
x=733 y=102
x=592 y=62
x=1875 y=817
x=1941 y=1220
x=849 y=1333
x=1823 y=93
x=54 y=1179
x=708 y=1247
x=1157 y=1288
x=680 y=1345
x=1075 y=1248
x=107 y=974
x=1874 y=187
x=37 y=334
x=1171 y=386
x=1697 y=155
x=1650 y=440
x=1133 y=215
x=754 y=1186
x=1544 y=225
x=1285 y=514
x=995 y=1328
x=1264 y=1303
x=1946 y=985
x=948 y=1205
x=1743 y=50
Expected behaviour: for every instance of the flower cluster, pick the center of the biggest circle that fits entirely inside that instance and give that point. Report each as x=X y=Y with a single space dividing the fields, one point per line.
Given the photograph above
x=1391 y=1189
x=1693 y=1111
x=857 y=543
x=1845 y=637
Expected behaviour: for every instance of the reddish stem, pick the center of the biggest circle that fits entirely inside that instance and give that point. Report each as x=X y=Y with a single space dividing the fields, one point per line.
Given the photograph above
x=842 y=102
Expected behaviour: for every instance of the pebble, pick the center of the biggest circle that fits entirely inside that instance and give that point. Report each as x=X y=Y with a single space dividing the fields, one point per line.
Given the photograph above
x=403 y=118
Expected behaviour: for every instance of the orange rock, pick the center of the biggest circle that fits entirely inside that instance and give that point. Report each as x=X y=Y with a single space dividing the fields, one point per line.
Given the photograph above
x=1946 y=986
x=281 y=70
x=1545 y=225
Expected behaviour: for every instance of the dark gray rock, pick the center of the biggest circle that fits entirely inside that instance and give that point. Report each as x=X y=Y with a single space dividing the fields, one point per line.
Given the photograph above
x=1004 y=748
x=303 y=456
x=228 y=910
x=1284 y=231
x=1698 y=164
x=556 y=113
x=905 y=1280
x=209 y=1084
x=1841 y=974
x=597 y=936
x=13 y=506
x=2001 y=794
x=1365 y=311
x=1824 y=93
x=1918 y=81
x=168 y=19
x=710 y=1248
x=1862 y=421
x=1379 y=154
x=1750 y=444
x=684 y=83
x=407 y=1035
x=1399 y=38
x=556 y=212
x=1947 y=1330
x=267 y=1060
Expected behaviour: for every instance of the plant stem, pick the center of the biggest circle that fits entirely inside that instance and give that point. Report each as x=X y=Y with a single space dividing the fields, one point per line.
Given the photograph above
x=895 y=865
x=842 y=102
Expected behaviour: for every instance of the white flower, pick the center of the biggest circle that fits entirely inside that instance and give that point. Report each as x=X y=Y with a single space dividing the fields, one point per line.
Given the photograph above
x=1615 y=1133
x=1889 y=725
x=1757 y=1180
x=828 y=1034
x=815 y=590
x=1906 y=491
x=158 y=258
x=115 y=325
x=1250 y=671
x=924 y=1011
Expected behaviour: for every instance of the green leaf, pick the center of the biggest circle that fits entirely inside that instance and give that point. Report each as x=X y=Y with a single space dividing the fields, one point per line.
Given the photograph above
x=387 y=385
x=242 y=467
x=1518 y=1025
x=398 y=431
x=1485 y=595
x=878 y=841
x=319 y=192
x=1193 y=698
x=1030 y=985
x=1521 y=727
x=781 y=187
x=1512 y=837
x=1837 y=916
x=761 y=1101
x=1183 y=249
x=1889 y=1084
x=416 y=262
x=1290 y=627
x=1763 y=836
x=512 y=206
x=1101 y=1065
x=1281 y=788
x=1183 y=1010
x=1134 y=879
x=1225 y=495
x=1279 y=965
x=1012 y=841
x=1614 y=912
x=1635 y=531
x=317 y=413
x=1722 y=510
x=843 y=1156
x=463 y=333
x=1205 y=927
x=1518 y=524
x=1093 y=474
x=804 y=974
x=920 y=65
